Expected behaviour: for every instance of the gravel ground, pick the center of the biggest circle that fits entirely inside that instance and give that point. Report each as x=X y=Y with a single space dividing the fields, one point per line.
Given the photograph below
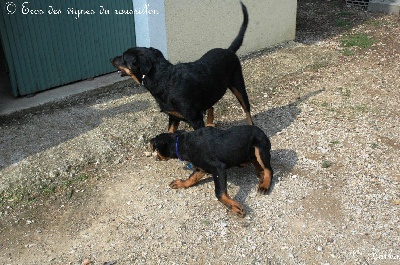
x=76 y=187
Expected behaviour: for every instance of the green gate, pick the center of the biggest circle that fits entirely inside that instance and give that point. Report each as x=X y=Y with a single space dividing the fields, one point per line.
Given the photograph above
x=48 y=43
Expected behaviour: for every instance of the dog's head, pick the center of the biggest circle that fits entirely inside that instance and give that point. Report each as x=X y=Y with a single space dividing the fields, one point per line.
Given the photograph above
x=137 y=62
x=163 y=145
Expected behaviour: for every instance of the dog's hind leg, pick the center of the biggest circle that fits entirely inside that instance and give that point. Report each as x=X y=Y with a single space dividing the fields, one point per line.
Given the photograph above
x=195 y=119
x=210 y=117
x=263 y=169
x=239 y=90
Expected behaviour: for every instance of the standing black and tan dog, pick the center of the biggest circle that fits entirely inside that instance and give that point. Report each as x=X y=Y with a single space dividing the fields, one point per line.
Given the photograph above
x=185 y=91
x=213 y=151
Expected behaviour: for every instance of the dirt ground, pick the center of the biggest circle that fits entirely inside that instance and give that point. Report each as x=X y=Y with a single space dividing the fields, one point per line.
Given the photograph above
x=77 y=188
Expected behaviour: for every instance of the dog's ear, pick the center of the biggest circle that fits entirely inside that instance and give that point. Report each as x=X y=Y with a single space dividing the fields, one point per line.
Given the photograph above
x=150 y=57
x=156 y=52
x=130 y=61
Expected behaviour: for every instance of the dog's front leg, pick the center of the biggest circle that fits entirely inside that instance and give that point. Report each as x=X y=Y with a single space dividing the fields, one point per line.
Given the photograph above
x=222 y=193
x=191 y=181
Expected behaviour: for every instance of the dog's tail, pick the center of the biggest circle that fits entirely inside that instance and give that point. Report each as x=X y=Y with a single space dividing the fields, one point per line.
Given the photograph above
x=237 y=42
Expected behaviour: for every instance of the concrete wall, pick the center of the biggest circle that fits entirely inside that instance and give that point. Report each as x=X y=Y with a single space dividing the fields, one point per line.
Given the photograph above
x=195 y=26
x=150 y=24
x=384 y=6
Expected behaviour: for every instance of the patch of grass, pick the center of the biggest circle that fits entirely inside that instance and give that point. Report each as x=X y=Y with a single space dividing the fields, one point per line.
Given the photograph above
x=360 y=40
x=48 y=189
x=342 y=23
x=348 y=52
x=318 y=65
x=328 y=107
x=362 y=108
x=67 y=182
x=334 y=142
x=344 y=91
x=332 y=109
x=10 y=198
x=374 y=145
x=205 y=222
x=70 y=193
x=345 y=14
x=298 y=89
x=326 y=164
x=25 y=195
x=375 y=23
x=82 y=177
x=353 y=111
x=384 y=23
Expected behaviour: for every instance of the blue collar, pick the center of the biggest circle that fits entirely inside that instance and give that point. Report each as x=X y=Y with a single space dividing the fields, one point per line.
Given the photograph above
x=176 y=149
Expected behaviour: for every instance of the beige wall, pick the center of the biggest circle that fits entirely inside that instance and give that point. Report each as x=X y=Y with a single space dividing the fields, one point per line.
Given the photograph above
x=195 y=26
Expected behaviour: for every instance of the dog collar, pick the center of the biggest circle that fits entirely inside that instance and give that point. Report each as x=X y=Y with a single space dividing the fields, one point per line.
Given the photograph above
x=176 y=148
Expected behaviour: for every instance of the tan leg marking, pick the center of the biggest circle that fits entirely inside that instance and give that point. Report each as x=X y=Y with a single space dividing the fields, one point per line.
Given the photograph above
x=249 y=119
x=194 y=178
x=239 y=96
x=176 y=114
x=173 y=128
x=210 y=117
x=233 y=205
x=264 y=174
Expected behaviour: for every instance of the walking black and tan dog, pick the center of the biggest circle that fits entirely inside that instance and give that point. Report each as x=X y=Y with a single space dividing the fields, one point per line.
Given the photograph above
x=185 y=91
x=213 y=151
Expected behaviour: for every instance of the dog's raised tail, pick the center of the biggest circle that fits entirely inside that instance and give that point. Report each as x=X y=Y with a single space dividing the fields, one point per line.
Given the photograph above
x=237 y=42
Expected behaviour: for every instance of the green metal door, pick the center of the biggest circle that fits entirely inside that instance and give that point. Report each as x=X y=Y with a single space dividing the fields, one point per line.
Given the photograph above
x=48 y=43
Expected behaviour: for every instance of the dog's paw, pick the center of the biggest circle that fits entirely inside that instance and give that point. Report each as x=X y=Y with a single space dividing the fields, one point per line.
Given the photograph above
x=265 y=183
x=177 y=184
x=211 y=125
x=233 y=205
x=262 y=190
x=238 y=210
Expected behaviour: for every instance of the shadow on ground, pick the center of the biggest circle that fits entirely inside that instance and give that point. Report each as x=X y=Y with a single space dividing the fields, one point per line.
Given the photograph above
x=51 y=127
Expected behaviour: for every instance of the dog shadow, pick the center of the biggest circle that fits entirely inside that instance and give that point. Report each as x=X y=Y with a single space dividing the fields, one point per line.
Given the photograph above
x=283 y=161
x=276 y=119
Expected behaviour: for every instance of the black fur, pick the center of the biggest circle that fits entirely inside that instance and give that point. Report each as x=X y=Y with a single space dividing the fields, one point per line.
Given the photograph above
x=213 y=151
x=186 y=90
